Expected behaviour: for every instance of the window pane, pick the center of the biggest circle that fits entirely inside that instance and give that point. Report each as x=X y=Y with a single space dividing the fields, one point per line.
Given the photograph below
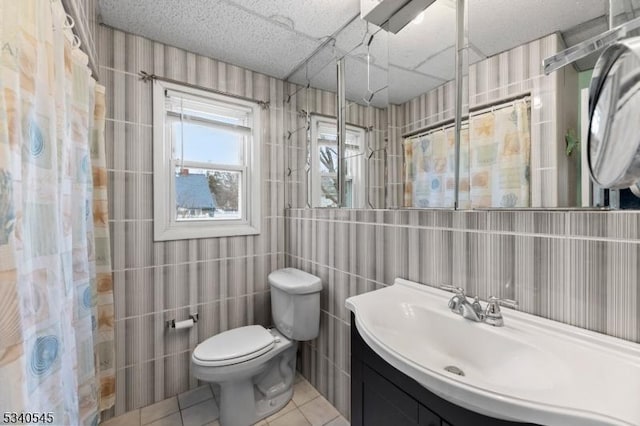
x=208 y=109
x=352 y=139
x=348 y=196
x=328 y=191
x=353 y=159
x=203 y=194
x=205 y=144
x=328 y=158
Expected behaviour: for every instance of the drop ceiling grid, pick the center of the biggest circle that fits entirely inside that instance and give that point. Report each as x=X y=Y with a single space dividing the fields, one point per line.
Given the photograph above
x=219 y=29
x=525 y=20
x=274 y=37
x=314 y=18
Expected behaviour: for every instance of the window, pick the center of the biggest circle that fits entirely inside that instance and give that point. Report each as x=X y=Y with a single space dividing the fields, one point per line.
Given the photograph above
x=206 y=169
x=324 y=164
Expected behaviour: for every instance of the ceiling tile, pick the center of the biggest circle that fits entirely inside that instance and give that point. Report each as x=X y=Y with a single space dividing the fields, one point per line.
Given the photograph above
x=352 y=40
x=441 y=65
x=358 y=87
x=418 y=42
x=405 y=85
x=585 y=31
x=212 y=28
x=319 y=72
x=498 y=25
x=312 y=17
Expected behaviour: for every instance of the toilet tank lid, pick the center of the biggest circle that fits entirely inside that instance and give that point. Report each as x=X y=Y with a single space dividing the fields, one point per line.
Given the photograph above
x=295 y=281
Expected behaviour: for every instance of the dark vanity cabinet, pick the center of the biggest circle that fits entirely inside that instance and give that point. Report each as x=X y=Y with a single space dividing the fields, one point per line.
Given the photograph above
x=383 y=396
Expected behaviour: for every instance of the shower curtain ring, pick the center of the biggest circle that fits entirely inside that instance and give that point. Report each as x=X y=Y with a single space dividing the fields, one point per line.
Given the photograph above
x=68 y=22
x=76 y=43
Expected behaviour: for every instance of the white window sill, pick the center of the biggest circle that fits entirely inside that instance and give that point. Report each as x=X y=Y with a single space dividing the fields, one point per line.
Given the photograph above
x=203 y=231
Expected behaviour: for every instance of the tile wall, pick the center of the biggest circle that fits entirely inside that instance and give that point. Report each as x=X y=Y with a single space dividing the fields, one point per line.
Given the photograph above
x=576 y=267
x=224 y=280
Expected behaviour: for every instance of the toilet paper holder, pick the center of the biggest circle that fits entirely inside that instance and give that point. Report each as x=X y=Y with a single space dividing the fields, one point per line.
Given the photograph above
x=172 y=323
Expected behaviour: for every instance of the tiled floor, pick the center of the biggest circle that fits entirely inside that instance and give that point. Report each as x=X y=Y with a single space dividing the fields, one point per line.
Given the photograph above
x=198 y=407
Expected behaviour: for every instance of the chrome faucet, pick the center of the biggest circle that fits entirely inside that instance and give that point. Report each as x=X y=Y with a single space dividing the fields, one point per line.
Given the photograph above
x=459 y=304
x=493 y=315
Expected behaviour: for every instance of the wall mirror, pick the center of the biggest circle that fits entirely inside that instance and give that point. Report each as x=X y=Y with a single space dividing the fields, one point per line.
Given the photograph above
x=313 y=154
x=527 y=131
x=399 y=92
x=422 y=95
x=311 y=92
x=522 y=135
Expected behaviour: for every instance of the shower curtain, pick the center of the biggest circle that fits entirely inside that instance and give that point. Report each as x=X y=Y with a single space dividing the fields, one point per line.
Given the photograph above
x=430 y=168
x=494 y=162
x=56 y=301
x=499 y=157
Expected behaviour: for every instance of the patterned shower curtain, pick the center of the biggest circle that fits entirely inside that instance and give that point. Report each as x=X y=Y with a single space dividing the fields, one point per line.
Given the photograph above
x=499 y=157
x=494 y=162
x=430 y=168
x=56 y=301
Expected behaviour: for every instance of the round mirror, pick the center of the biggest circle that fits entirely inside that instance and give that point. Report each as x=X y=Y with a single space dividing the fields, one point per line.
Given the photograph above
x=613 y=145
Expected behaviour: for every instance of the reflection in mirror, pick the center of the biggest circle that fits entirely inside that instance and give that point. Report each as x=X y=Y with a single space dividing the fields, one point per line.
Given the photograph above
x=622 y=11
x=324 y=160
x=366 y=83
x=312 y=91
x=314 y=161
x=613 y=130
x=526 y=129
x=422 y=95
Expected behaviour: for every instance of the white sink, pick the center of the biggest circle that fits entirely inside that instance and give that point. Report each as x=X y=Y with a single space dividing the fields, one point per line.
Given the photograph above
x=531 y=370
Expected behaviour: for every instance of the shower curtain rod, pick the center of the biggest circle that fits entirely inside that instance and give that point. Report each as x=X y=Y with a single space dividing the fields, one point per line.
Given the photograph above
x=145 y=76
x=478 y=109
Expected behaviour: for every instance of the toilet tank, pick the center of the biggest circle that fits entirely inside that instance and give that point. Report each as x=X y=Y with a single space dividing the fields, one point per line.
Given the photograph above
x=295 y=303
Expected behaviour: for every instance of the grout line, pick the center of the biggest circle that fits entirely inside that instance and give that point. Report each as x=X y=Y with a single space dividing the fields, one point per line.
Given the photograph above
x=193 y=305
x=151 y=360
x=151 y=220
x=233 y=236
x=134 y=123
x=274 y=105
x=138 y=172
x=335 y=269
x=313 y=348
x=477 y=231
x=198 y=261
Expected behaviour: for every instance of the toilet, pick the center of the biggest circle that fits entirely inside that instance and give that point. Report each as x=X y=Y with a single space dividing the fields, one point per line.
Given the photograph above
x=255 y=366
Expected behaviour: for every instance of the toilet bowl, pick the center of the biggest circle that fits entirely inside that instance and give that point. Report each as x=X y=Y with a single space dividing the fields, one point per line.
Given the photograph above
x=255 y=366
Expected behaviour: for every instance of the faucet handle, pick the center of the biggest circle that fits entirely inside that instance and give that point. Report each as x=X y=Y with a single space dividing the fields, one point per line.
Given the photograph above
x=459 y=291
x=493 y=315
x=507 y=303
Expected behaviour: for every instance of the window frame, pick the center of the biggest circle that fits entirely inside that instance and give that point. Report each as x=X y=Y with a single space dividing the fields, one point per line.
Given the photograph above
x=165 y=223
x=359 y=182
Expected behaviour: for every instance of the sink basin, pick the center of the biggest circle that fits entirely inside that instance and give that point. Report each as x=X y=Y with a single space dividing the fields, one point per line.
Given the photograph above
x=531 y=370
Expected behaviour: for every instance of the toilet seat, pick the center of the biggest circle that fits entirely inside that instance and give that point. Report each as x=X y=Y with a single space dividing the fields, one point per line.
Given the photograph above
x=234 y=346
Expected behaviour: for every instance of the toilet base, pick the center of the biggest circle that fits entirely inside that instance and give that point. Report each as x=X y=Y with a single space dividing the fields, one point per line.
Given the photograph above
x=265 y=408
x=250 y=393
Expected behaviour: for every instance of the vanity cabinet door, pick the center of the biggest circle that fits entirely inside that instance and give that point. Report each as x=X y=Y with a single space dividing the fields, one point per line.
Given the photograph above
x=429 y=418
x=385 y=404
